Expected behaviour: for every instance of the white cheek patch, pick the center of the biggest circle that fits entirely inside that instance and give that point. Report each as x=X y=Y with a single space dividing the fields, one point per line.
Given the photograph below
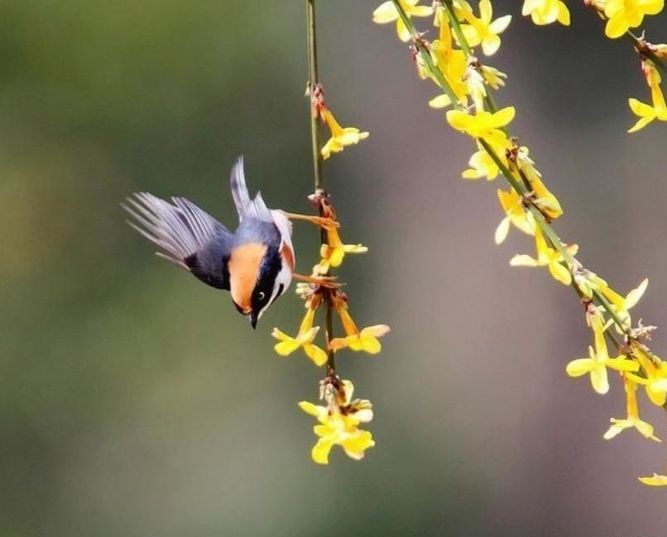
x=283 y=281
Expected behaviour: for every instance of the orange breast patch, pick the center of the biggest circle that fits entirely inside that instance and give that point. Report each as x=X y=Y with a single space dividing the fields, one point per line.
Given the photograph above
x=244 y=263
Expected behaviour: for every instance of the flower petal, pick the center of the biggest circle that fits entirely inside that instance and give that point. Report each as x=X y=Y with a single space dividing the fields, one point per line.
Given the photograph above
x=386 y=12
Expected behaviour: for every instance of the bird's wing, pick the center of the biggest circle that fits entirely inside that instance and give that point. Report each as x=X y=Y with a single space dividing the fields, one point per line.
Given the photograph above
x=187 y=236
x=255 y=208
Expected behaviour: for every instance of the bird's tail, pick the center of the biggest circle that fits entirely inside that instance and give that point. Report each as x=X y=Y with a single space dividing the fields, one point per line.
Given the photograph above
x=239 y=188
x=180 y=230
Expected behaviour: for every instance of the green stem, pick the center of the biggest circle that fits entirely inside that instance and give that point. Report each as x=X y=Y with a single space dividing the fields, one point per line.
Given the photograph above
x=313 y=85
x=318 y=174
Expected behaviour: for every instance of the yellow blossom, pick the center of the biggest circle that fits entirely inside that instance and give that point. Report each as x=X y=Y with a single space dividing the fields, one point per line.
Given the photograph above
x=544 y=199
x=333 y=252
x=646 y=112
x=304 y=339
x=340 y=137
x=623 y=304
x=452 y=64
x=516 y=214
x=387 y=12
x=598 y=361
x=625 y=14
x=547 y=256
x=619 y=425
x=481 y=165
x=365 y=340
x=654 y=481
x=546 y=11
x=493 y=77
x=588 y=282
x=483 y=30
x=655 y=382
x=339 y=426
x=483 y=125
x=658 y=109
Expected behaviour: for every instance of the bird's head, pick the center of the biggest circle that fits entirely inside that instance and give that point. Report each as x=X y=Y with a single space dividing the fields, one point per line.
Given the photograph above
x=257 y=277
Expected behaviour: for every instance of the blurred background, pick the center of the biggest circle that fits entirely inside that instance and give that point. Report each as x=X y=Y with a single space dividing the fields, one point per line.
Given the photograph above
x=135 y=401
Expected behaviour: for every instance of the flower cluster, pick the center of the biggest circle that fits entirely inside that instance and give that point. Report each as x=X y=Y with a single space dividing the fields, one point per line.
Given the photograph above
x=621 y=17
x=340 y=418
x=466 y=85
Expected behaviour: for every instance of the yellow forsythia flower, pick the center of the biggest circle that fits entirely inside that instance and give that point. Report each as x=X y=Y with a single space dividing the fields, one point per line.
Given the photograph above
x=625 y=14
x=387 y=12
x=481 y=165
x=516 y=214
x=484 y=30
x=655 y=481
x=304 y=339
x=365 y=340
x=598 y=361
x=623 y=304
x=655 y=382
x=546 y=257
x=546 y=11
x=339 y=425
x=334 y=251
x=646 y=113
x=632 y=421
x=340 y=137
x=483 y=124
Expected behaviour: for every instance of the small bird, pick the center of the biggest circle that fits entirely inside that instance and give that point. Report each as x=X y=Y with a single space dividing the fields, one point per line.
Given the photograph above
x=255 y=263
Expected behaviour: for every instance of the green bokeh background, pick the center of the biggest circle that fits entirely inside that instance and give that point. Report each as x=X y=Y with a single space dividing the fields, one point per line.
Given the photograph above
x=135 y=401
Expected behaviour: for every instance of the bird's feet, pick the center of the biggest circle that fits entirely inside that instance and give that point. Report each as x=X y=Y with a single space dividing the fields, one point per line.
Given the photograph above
x=320 y=221
x=329 y=282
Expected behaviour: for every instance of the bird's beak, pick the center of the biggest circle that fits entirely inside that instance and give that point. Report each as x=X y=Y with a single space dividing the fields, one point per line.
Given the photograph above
x=253 y=318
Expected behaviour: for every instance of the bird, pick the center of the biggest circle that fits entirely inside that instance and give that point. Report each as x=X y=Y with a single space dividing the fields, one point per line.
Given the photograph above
x=255 y=263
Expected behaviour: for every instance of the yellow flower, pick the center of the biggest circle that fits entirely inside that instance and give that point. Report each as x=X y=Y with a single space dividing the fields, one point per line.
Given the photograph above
x=656 y=381
x=452 y=64
x=512 y=204
x=387 y=12
x=365 y=340
x=655 y=481
x=588 y=281
x=334 y=251
x=304 y=339
x=340 y=137
x=483 y=30
x=546 y=11
x=623 y=304
x=483 y=124
x=658 y=109
x=619 y=425
x=339 y=426
x=648 y=113
x=598 y=361
x=548 y=257
x=493 y=77
x=481 y=165
x=626 y=14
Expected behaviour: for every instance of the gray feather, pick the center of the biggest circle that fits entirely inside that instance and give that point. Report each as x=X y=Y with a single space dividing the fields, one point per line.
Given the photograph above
x=255 y=208
x=179 y=230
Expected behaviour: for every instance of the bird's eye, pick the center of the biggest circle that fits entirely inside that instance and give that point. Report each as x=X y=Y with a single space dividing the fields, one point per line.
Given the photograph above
x=261 y=296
